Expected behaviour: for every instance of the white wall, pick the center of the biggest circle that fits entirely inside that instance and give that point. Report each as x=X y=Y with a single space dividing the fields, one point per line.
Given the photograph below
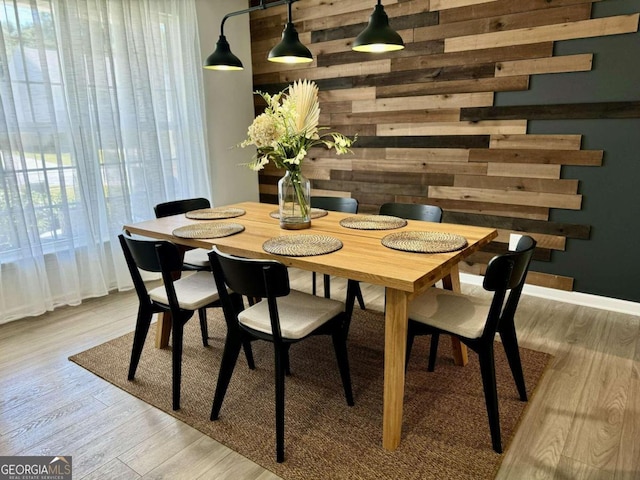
x=228 y=103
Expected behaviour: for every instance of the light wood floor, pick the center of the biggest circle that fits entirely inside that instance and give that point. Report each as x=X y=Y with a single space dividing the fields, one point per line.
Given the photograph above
x=584 y=421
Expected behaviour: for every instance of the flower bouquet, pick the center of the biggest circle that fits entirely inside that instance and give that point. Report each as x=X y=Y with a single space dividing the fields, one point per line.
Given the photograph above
x=283 y=134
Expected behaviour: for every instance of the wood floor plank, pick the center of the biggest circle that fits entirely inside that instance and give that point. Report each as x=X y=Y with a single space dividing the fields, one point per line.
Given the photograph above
x=155 y=450
x=114 y=470
x=106 y=447
x=627 y=461
x=234 y=466
x=541 y=437
x=192 y=461
x=48 y=425
x=604 y=397
x=570 y=468
x=49 y=402
x=70 y=439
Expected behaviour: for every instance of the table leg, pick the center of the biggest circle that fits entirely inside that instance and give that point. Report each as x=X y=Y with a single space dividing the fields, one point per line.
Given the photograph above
x=163 y=330
x=395 y=347
x=452 y=282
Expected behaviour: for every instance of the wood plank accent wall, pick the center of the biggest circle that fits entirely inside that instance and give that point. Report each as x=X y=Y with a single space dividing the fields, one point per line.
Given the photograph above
x=428 y=130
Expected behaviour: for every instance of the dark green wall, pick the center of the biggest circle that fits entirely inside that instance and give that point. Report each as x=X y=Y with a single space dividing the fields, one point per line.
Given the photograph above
x=608 y=263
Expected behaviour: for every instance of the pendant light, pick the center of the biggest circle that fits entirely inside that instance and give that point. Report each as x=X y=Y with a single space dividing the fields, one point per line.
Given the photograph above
x=378 y=36
x=222 y=58
x=289 y=50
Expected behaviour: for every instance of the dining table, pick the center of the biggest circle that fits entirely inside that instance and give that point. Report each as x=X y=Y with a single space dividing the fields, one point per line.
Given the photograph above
x=362 y=257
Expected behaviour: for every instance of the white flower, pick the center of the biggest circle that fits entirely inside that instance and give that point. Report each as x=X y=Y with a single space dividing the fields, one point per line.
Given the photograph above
x=264 y=131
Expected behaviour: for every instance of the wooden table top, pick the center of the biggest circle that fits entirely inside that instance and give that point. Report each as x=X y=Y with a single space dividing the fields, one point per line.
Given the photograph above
x=362 y=256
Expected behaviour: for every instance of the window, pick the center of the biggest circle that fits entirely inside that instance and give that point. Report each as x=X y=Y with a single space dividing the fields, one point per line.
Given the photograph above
x=100 y=119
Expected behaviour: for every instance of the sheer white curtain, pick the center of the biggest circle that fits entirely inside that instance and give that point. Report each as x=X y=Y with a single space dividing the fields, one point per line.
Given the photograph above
x=101 y=117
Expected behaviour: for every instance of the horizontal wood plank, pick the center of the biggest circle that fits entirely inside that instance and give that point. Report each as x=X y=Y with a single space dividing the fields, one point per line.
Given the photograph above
x=536 y=66
x=557 y=157
x=525 y=170
x=550 y=200
x=337 y=71
x=435 y=5
x=550 y=281
x=519 y=224
x=517 y=184
x=502 y=84
x=501 y=7
x=485 y=208
x=554 y=112
x=401 y=116
x=453 y=128
x=398 y=178
x=476 y=57
x=423 y=102
x=562 y=31
x=428 y=155
x=550 y=242
x=440 y=141
x=541 y=142
x=506 y=22
x=420 y=166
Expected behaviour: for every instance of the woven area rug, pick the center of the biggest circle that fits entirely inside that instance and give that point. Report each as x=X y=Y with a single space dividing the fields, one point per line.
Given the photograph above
x=445 y=432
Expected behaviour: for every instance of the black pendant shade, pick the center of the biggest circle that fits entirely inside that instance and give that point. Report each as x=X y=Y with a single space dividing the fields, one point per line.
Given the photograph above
x=378 y=36
x=290 y=50
x=222 y=58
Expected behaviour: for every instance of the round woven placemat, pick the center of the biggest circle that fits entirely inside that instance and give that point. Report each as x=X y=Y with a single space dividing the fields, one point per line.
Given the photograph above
x=215 y=213
x=313 y=213
x=208 y=230
x=424 y=242
x=373 y=222
x=302 y=245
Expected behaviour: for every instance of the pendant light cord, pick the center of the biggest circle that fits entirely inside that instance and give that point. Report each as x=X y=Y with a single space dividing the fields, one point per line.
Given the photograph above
x=262 y=6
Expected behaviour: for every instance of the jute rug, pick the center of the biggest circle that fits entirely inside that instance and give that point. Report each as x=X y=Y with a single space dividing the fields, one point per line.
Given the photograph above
x=445 y=432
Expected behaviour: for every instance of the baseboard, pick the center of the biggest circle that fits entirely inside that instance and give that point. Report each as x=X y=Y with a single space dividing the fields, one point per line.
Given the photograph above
x=576 y=298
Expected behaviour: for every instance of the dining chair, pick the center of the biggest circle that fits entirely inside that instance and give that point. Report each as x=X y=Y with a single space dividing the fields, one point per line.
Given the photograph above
x=283 y=317
x=197 y=258
x=412 y=211
x=474 y=320
x=179 y=297
x=335 y=204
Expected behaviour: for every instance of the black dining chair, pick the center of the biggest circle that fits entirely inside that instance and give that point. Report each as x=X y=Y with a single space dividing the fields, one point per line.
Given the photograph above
x=283 y=317
x=475 y=320
x=181 y=298
x=335 y=204
x=197 y=258
x=412 y=211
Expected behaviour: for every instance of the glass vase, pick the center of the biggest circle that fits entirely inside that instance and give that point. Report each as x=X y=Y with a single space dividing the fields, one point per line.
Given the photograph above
x=294 y=191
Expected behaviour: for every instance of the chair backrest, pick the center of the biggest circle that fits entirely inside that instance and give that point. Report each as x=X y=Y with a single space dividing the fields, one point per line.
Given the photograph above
x=175 y=207
x=507 y=273
x=246 y=276
x=413 y=211
x=151 y=255
x=250 y=277
x=336 y=204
